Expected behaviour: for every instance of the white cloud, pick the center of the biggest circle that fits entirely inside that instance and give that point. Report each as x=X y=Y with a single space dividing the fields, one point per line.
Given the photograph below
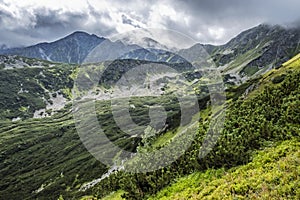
x=207 y=21
x=216 y=32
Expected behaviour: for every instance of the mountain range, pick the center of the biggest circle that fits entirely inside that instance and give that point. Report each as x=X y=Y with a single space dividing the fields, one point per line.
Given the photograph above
x=253 y=51
x=78 y=48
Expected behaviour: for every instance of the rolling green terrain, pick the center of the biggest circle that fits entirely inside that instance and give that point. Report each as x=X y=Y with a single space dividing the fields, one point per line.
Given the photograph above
x=257 y=155
x=45 y=159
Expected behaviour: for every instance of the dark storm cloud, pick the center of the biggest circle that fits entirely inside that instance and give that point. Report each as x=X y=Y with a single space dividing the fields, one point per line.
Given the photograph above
x=53 y=19
x=126 y=20
x=207 y=21
x=94 y=12
x=51 y=23
x=4 y=14
x=209 y=17
x=276 y=11
x=47 y=25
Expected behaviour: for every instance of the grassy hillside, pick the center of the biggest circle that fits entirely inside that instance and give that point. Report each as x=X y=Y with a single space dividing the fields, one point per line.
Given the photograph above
x=45 y=157
x=272 y=174
x=267 y=117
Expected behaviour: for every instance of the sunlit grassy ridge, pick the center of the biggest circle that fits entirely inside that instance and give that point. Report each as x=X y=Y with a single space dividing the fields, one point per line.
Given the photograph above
x=274 y=173
x=276 y=76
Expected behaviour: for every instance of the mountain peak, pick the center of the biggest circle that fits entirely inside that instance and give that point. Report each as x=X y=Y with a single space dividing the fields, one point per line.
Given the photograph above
x=79 y=32
x=82 y=34
x=72 y=48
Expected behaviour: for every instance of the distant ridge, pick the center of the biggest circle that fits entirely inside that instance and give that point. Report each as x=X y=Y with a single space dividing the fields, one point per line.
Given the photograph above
x=251 y=51
x=71 y=49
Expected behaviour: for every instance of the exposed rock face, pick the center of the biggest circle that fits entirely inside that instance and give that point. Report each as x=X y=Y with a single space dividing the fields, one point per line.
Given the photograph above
x=261 y=47
x=266 y=45
x=13 y=61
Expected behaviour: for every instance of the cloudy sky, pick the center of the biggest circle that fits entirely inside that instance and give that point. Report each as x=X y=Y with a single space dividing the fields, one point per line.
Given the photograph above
x=26 y=22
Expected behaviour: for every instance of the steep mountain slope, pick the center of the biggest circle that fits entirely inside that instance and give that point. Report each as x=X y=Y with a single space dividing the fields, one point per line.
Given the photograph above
x=252 y=52
x=258 y=49
x=72 y=49
x=273 y=174
x=275 y=104
x=80 y=47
